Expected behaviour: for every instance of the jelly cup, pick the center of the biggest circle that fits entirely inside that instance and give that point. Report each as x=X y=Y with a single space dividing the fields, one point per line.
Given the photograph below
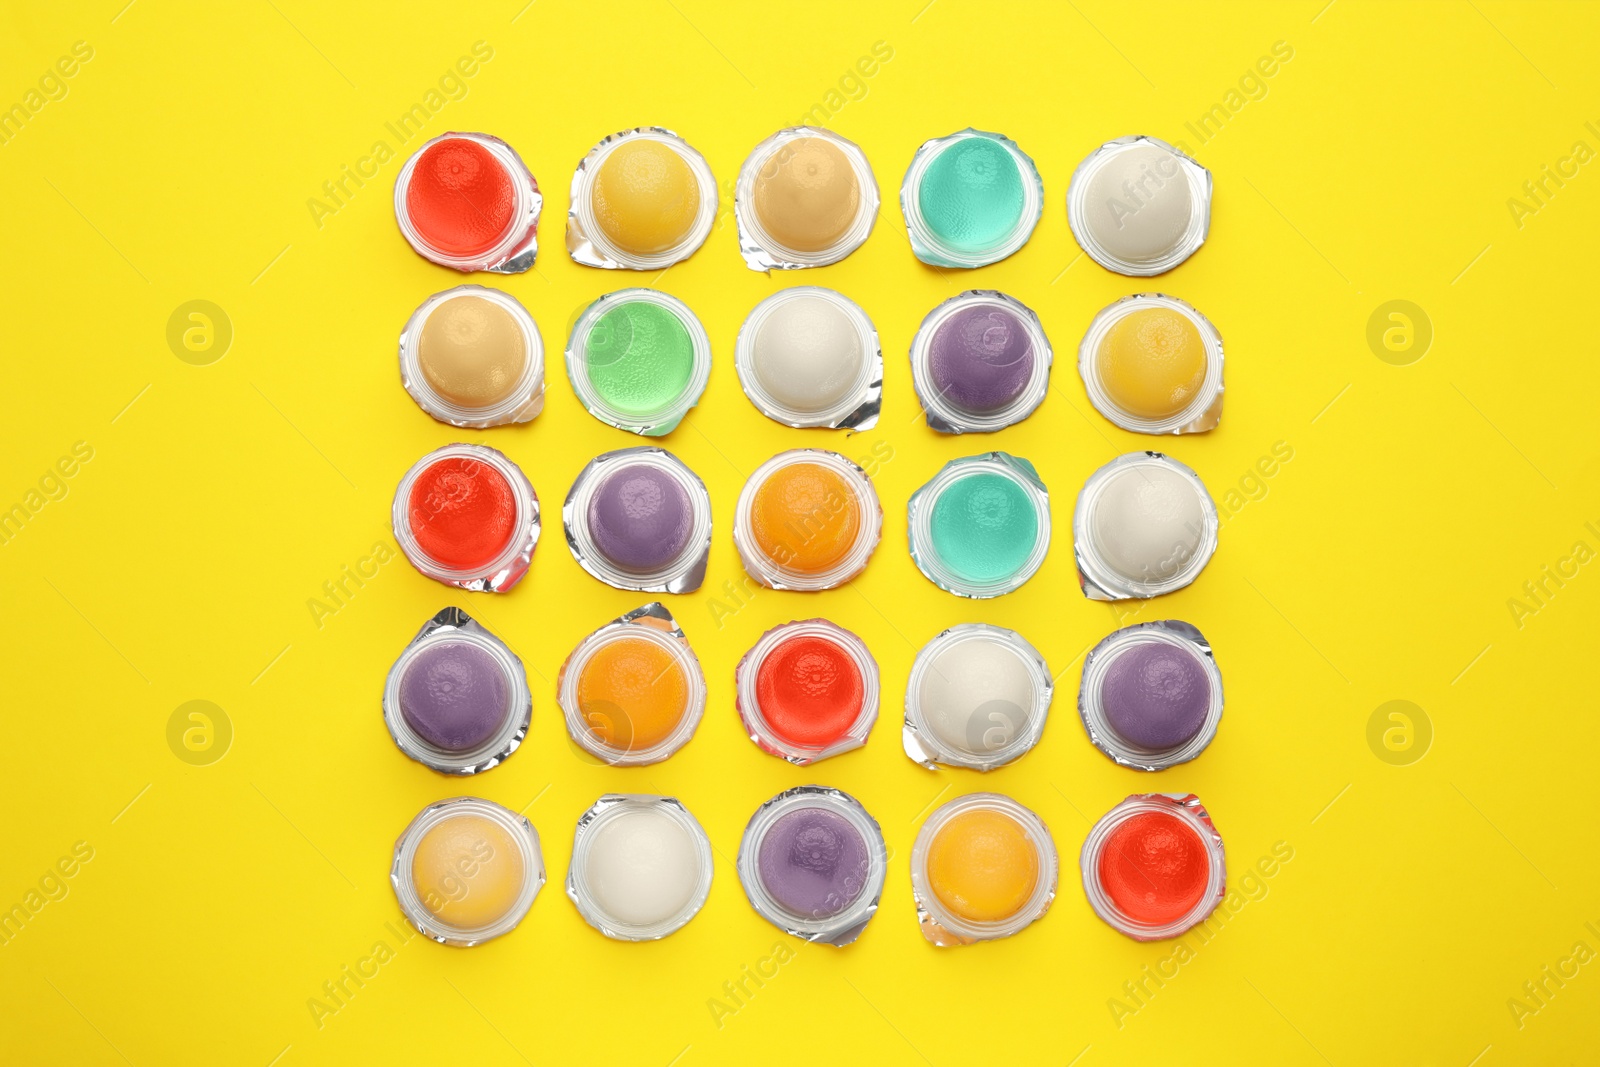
x=505 y=184
x=480 y=868
x=963 y=891
x=653 y=162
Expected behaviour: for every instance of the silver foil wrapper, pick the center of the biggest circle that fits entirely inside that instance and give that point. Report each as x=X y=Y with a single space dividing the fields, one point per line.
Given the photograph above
x=927 y=246
x=919 y=518
x=998 y=732
x=759 y=249
x=512 y=564
x=846 y=926
x=1187 y=807
x=946 y=417
x=1202 y=414
x=522 y=404
x=1098 y=580
x=411 y=906
x=858 y=411
x=748 y=704
x=586 y=244
x=946 y=930
x=652 y=622
x=517 y=250
x=455 y=624
x=1093 y=715
x=579 y=892
x=1199 y=179
x=683 y=574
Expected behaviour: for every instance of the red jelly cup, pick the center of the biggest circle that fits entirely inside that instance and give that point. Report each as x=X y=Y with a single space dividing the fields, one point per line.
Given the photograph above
x=467 y=516
x=467 y=201
x=1153 y=866
x=807 y=690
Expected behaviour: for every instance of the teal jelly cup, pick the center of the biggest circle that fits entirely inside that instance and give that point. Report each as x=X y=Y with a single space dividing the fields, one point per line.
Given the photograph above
x=980 y=528
x=970 y=199
x=639 y=360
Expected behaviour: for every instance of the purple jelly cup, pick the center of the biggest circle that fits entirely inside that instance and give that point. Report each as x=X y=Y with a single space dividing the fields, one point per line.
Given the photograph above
x=457 y=699
x=1151 y=696
x=980 y=362
x=638 y=519
x=813 y=863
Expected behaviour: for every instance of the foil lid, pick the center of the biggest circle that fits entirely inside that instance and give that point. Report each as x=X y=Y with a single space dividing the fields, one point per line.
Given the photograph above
x=1200 y=185
x=764 y=253
x=998 y=732
x=522 y=404
x=453 y=623
x=681 y=575
x=846 y=926
x=865 y=417
x=1098 y=580
x=586 y=244
x=1204 y=411
x=927 y=246
x=748 y=704
x=946 y=930
x=1093 y=715
x=944 y=416
x=652 y=618
x=580 y=894
x=919 y=516
x=517 y=250
x=656 y=616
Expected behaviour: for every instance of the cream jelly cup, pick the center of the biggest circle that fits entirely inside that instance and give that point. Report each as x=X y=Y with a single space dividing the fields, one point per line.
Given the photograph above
x=1138 y=206
x=810 y=357
x=641 y=866
x=978 y=697
x=1144 y=526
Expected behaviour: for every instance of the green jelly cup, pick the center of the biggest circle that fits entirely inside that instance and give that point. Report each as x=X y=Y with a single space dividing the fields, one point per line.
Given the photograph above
x=638 y=360
x=980 y=528
x=970 y=199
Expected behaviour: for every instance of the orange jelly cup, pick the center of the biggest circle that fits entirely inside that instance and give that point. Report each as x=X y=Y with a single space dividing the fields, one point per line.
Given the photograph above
x=807 y=520
x=632 y=692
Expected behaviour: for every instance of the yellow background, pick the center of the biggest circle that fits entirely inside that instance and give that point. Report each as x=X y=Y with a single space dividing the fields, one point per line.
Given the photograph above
x=1375 y=565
